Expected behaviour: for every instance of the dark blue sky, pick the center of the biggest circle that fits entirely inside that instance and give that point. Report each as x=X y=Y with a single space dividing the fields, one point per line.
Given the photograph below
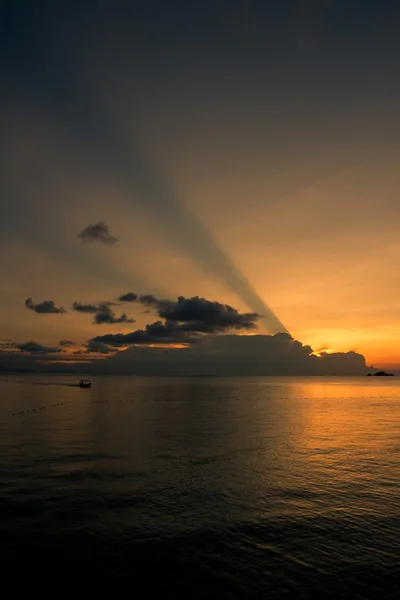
x=348 y=35
x=316 y=66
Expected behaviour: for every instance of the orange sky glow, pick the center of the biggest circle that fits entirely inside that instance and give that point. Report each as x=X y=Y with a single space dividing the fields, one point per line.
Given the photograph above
x=250 y=167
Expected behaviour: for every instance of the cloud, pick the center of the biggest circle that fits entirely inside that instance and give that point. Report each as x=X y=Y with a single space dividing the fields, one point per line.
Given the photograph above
x=35 y=357
x=98 y=232
x=102 y=313
x=203 y=315
x=66 y=343
x=45 y=307
x=85 y=308
x=128 y=297
x=154 y=333
x=245 y=355
x=93 y=347
x=225 y=355
x=202 y=328
x=11 y=348
x=35 y=348
x=150 y=300
x=105 y=314
x=185 y=320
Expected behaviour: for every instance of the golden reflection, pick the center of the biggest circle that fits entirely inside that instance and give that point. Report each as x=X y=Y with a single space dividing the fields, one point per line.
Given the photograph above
x=341 y=426
x=168 y=346
x=63 y=362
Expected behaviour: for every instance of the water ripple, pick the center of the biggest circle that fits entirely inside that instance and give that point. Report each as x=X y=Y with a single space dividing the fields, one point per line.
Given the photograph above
x=259 y=488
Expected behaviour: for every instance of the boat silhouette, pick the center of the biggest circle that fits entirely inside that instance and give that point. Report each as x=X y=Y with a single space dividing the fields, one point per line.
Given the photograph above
x=84 y=383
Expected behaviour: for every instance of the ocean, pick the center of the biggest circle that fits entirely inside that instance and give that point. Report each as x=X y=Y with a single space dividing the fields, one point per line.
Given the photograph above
x=231 y=487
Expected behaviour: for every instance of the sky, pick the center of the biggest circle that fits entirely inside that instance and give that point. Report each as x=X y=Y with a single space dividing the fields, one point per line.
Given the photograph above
x=242 y=153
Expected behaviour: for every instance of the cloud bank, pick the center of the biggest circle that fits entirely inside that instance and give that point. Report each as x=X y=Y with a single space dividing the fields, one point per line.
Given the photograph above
x=192 y=336
x=228 y=355
x=203 y=331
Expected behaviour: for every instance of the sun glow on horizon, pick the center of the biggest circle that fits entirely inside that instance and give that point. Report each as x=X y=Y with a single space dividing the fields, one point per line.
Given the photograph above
x=322 y=351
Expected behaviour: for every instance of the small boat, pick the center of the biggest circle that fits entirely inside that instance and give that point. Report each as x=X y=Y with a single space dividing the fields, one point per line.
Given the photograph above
x=84 y=383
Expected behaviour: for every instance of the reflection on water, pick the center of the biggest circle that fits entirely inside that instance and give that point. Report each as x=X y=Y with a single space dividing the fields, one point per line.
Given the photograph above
x=257 y=486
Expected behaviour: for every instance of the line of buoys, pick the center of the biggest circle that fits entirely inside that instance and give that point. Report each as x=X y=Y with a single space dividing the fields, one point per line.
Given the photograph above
x=329 y=398
x=38 y=408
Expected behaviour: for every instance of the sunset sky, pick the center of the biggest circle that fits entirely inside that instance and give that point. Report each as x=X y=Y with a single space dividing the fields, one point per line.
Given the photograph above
x=242 y=151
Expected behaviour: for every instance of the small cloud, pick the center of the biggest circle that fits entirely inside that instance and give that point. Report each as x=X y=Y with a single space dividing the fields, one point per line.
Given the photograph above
x=128 y=297
x=102 y=313
x=35 y=348
x=98 y=348
x=66 y=343
x=93 y=347
x=45 y=307
x=98 y=232
x=85 y=308
x=105 y=314
x=150 y=300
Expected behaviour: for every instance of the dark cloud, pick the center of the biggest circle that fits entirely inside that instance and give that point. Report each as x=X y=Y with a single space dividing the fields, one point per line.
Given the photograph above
x=226 y=355
x=35 y=348
x=204 y=315
x=128 y=297
x=105 y=314
x=66 y=343
x=93 y=347
x=278 y=354
x=150 y=300
x=185 y=320
x=97 y=233
x=35 y=357
x=11 y=348
x=102 y=313
x=99 y=348
x=155 y=333
x=85 y=308
x=45 y=307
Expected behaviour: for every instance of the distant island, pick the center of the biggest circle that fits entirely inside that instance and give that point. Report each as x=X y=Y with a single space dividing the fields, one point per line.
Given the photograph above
x=380 y=374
